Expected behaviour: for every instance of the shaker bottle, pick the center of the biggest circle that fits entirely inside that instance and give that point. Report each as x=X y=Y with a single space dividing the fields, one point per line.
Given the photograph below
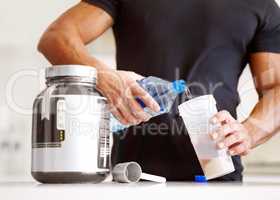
x=196 y=114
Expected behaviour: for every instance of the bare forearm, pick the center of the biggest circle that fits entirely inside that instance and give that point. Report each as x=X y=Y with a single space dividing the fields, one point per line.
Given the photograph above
x=64 y=43
x=65 y=39
x=264 y=121
x=61 y=48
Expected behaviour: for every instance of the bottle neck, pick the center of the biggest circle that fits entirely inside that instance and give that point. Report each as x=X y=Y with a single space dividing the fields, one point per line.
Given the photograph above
x=179 y=86
x=71 y=81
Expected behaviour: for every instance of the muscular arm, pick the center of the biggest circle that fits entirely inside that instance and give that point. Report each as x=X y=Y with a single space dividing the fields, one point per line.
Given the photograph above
x=64 y=41
x=264 y=121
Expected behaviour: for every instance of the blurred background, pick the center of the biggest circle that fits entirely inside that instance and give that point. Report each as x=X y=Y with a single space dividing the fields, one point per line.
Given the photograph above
x=22 y=78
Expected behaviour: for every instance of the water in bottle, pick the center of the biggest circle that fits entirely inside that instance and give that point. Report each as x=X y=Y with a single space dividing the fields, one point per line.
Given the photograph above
x=164 y=93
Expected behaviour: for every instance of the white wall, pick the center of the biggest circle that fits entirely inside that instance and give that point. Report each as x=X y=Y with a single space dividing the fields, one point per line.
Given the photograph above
x=21 y=25
x=20 y=28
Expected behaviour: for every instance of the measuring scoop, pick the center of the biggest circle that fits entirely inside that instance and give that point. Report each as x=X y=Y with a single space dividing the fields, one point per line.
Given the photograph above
x=131 y=172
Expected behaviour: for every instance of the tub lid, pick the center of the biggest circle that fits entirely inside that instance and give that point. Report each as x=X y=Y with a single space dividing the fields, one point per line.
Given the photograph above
x=71 y=70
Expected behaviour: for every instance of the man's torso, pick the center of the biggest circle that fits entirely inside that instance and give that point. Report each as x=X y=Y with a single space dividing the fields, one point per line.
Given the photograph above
x=204 y=42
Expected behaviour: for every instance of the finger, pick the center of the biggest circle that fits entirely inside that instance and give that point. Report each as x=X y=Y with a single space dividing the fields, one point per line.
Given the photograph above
x=138 y=110
x=124 y=111
x=136 y=76
x=119 y=116
x=233 y=139
x=225 y=130
x=135 y=107
x=137 y=91
x=246 y=153
x=127 y=113
x=238 y=149
x=222 y=117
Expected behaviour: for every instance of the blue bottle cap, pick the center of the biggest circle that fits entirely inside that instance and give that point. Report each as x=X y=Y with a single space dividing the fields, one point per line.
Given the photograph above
x=179 y=86
x=200 y=179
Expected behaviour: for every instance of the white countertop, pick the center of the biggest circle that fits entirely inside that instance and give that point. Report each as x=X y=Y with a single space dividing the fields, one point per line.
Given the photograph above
x=265 y=187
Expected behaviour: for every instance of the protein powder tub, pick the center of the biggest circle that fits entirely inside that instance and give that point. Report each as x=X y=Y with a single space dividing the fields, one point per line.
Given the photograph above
x=70 y=130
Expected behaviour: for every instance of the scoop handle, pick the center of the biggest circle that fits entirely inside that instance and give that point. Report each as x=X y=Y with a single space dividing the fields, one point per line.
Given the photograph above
x=149 y=177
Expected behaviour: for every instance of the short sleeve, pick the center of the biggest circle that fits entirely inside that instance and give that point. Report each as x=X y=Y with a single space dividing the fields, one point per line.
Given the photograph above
x=267 y=37
x=109 y=6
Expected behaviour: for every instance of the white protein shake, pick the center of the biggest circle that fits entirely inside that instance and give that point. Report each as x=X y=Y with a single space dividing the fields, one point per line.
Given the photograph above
x=196 y=114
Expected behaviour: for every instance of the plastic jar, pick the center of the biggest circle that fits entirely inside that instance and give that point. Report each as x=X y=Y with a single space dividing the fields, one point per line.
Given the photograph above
x=70 y=128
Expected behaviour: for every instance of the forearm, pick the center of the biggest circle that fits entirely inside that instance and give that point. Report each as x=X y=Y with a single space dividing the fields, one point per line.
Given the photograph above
x=64 y=42
x=66 y=48
x=264 y=121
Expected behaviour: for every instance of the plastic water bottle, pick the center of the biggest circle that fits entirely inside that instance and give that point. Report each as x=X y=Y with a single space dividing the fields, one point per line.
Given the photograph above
x=164 y=93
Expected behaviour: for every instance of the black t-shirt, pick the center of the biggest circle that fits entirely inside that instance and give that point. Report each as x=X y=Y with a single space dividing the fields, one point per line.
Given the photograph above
x=206 y=43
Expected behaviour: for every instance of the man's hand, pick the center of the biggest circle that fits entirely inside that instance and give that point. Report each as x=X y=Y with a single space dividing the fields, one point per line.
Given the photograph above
x=231 y=134
x=121 y=89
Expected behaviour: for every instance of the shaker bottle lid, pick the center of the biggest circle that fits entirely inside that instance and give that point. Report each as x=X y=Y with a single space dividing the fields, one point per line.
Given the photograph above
x=202 y=99
x=197 y=103
x=71 y=70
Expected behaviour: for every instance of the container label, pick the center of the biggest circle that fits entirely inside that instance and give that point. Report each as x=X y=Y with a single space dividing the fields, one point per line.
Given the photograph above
x=75 y=138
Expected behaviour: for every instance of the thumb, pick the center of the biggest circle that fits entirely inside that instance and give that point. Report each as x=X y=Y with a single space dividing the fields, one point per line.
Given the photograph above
x=136 y=76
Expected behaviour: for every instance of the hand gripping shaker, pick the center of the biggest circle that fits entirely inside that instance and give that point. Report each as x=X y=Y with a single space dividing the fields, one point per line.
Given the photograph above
x=196 y=114
x=70 y=130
